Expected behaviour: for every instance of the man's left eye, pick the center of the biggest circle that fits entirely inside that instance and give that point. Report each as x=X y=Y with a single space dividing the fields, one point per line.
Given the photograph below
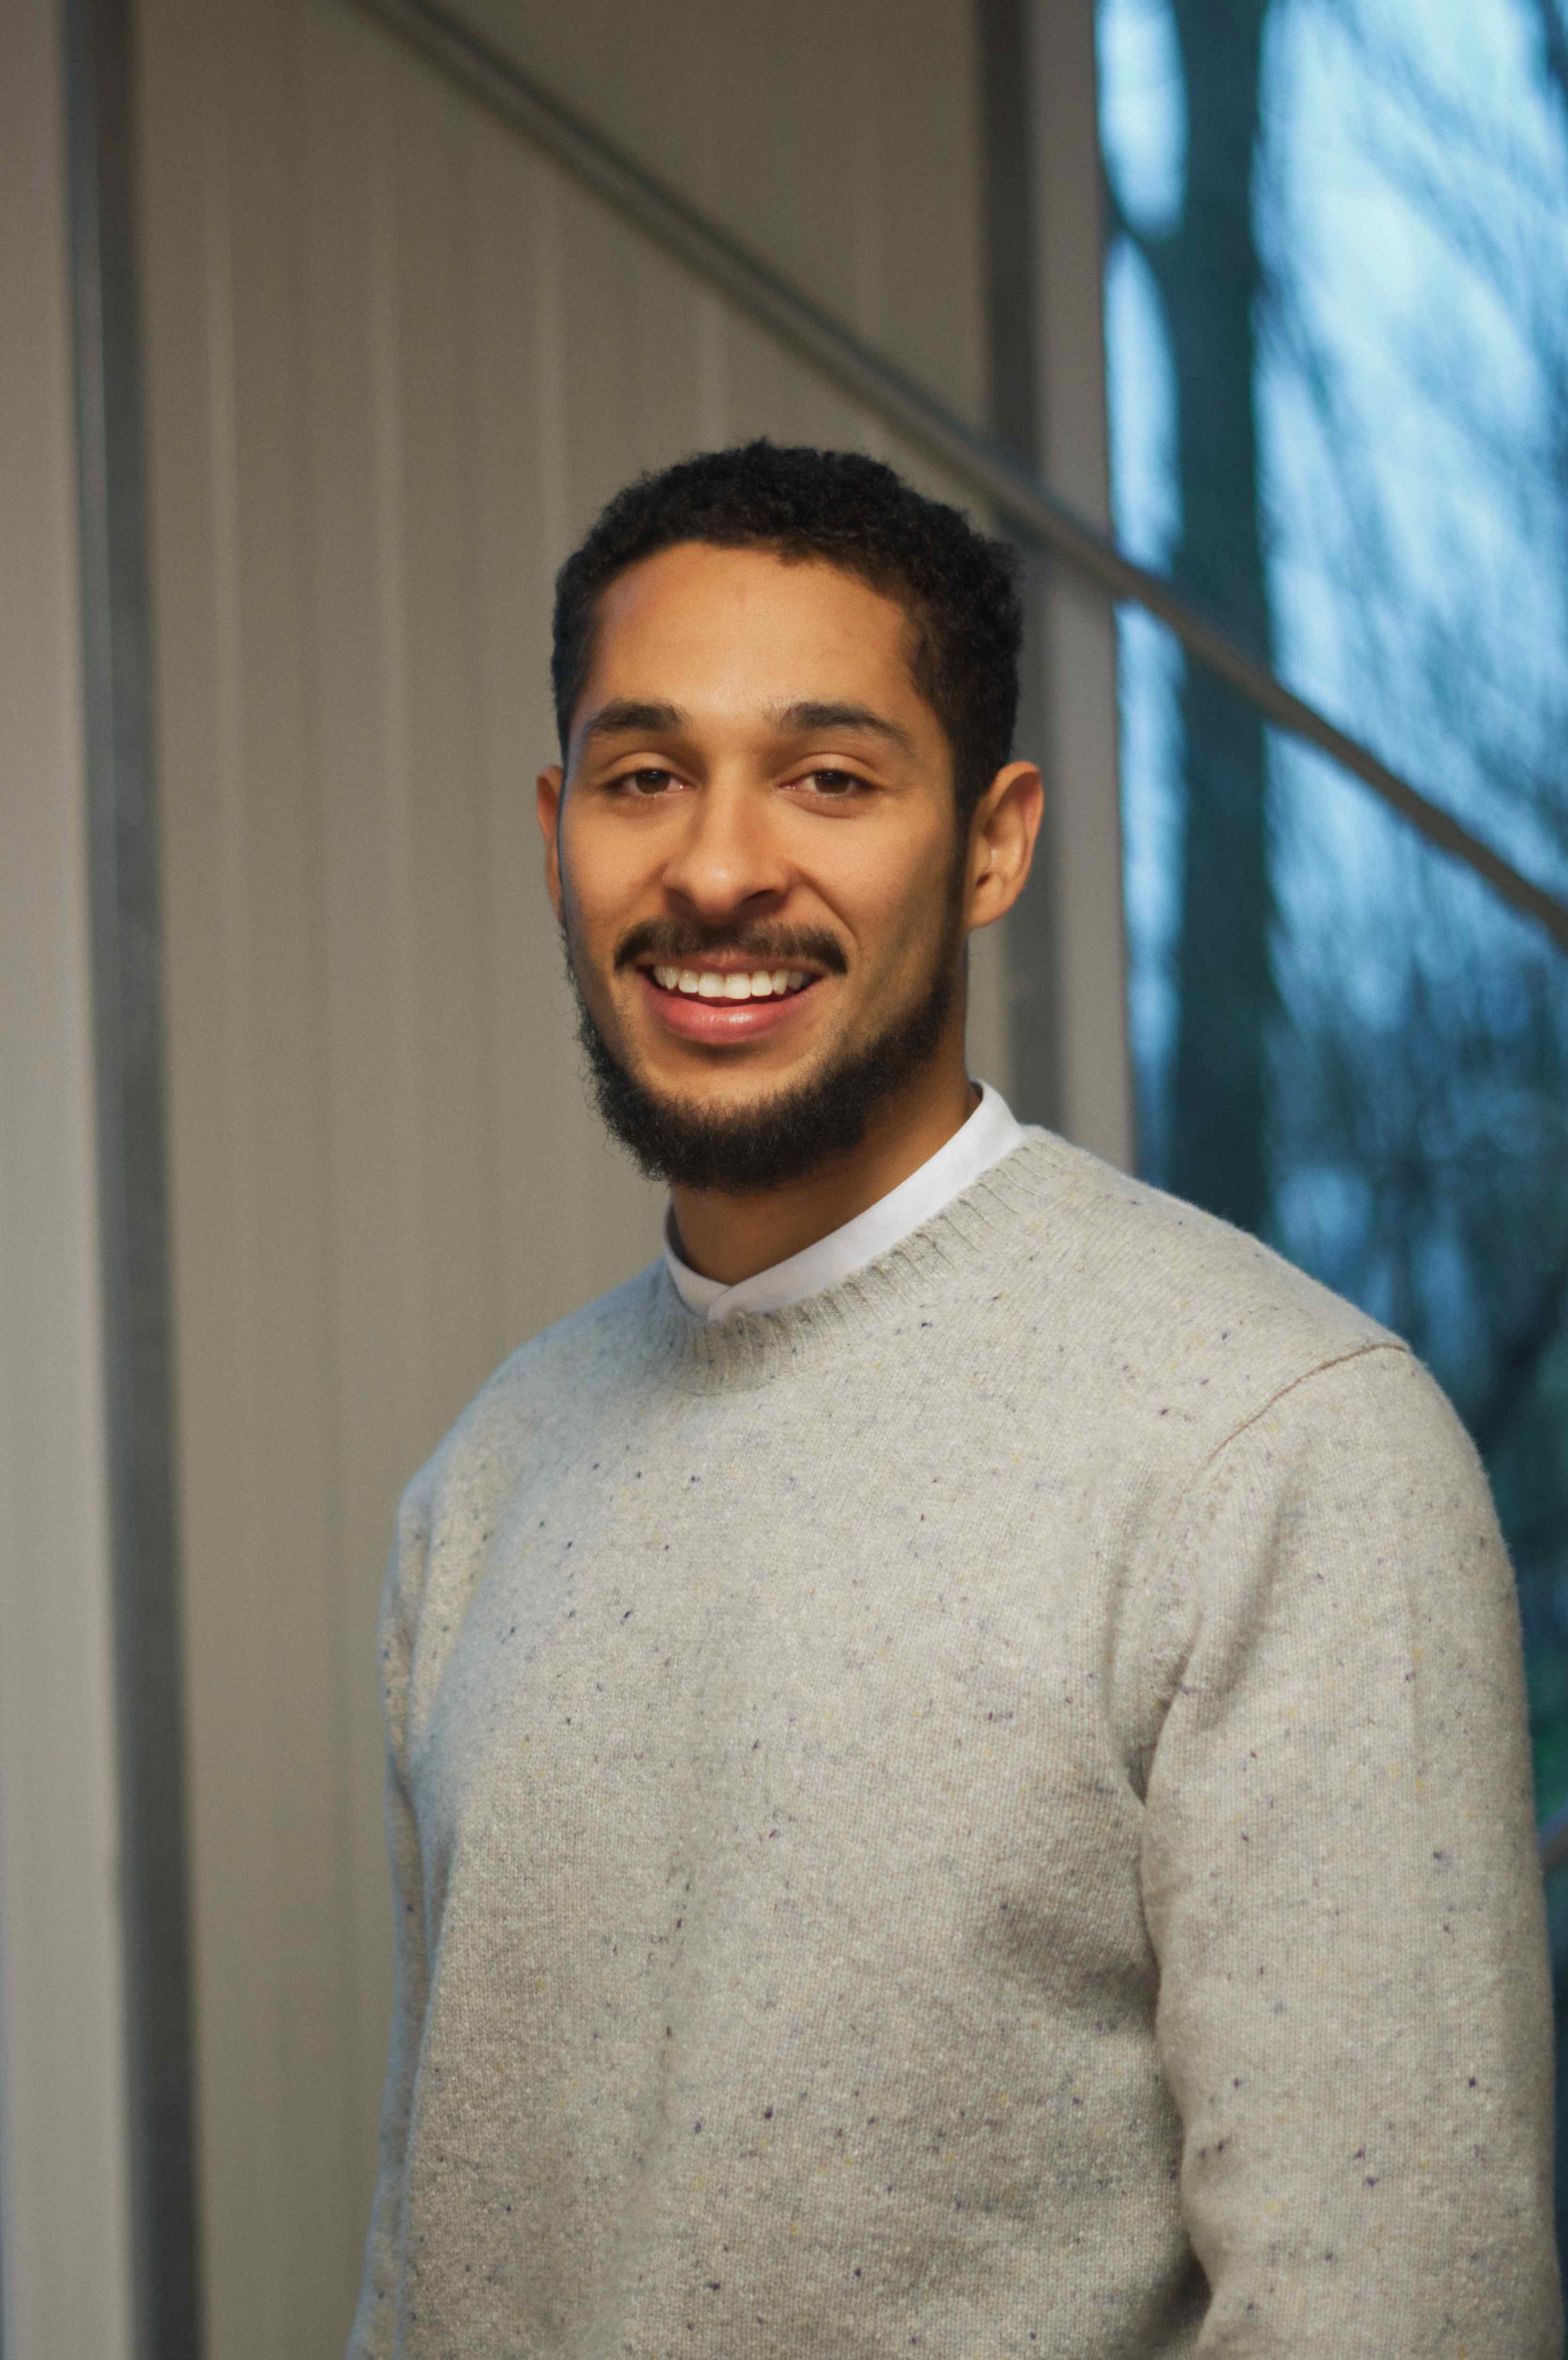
x=832 y=783
x=647 y=781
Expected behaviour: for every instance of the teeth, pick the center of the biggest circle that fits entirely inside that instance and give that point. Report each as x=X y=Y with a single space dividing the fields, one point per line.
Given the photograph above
x=705 y=983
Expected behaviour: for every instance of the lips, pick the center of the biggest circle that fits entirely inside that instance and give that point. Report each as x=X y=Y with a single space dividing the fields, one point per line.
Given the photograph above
x=722 y=1013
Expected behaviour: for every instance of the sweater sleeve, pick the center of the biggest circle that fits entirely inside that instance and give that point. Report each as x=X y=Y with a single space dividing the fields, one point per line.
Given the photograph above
x=375 y=2322
x=1341 y=1885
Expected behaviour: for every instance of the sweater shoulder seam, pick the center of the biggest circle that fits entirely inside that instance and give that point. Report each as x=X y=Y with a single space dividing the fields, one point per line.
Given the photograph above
x=1304 y=1377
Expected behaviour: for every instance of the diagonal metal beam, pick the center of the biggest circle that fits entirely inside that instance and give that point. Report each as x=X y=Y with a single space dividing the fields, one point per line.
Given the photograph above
x=487 y=75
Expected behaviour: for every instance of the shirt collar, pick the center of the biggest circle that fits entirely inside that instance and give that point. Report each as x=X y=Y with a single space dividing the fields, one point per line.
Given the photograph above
x=990 y=1133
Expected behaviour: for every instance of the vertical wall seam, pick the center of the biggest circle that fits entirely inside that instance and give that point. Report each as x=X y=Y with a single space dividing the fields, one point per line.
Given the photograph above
x=474 y=324
x=391 y=533
x=313 y=789
x=713 y=377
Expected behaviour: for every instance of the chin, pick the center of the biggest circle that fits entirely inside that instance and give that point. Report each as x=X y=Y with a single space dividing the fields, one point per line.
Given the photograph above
x=773 y=1135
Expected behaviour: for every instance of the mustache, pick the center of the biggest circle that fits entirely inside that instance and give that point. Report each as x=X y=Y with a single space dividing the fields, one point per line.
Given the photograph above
x=671 y=941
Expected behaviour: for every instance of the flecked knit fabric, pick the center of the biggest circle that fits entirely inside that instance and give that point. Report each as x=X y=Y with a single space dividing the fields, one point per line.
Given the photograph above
x=984 y=1813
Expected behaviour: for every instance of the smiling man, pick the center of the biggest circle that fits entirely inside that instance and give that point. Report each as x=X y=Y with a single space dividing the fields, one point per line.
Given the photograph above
x=956 y=1762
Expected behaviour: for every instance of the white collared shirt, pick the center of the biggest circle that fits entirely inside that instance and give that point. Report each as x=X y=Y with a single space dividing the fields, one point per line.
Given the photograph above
x=990 y=1133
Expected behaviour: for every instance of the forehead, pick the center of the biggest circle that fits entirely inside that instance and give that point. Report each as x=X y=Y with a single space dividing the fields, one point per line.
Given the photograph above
x=726 y=629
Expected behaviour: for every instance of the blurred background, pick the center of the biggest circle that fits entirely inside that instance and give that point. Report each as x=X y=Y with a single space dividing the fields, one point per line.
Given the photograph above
x=325 y=328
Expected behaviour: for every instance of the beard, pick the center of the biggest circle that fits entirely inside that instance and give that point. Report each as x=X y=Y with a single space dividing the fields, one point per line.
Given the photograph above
x=805 y=1125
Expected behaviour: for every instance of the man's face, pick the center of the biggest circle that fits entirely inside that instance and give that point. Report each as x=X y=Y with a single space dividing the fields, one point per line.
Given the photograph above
x=756 y=789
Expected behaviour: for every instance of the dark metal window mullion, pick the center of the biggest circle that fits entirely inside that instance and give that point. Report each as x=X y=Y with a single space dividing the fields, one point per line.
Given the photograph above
x=129 y=1056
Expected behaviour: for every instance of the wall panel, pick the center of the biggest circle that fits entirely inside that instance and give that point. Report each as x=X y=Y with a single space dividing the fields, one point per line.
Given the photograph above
x=65 y=2221
x=839 y=142
x=394 y=363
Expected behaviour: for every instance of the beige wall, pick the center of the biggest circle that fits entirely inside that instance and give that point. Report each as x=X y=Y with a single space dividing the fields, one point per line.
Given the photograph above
x=64 y=2222
x=839 y=142
x=394 y=364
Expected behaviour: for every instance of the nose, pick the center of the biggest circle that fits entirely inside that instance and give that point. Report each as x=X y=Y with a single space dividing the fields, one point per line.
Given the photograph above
x=728 y=858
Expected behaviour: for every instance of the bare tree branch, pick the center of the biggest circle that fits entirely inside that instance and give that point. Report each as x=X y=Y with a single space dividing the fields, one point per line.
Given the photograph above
x=1554 y=43
x=1520 y=1360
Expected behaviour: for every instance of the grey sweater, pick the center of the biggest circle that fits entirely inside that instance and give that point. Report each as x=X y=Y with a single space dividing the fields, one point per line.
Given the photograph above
x=985 y=1813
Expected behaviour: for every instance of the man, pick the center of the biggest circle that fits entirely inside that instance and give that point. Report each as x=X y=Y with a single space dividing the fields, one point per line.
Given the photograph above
x=956 y=1760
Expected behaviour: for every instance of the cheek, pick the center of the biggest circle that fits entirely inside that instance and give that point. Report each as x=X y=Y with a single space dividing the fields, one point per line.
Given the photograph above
x=901 y=912
x=597 y=886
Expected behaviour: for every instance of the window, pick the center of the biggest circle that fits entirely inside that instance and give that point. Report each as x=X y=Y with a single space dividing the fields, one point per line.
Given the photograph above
x=1337 y=321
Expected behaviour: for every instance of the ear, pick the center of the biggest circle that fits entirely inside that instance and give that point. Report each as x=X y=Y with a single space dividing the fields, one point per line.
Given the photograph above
x=548 y=792
x=1002 y=838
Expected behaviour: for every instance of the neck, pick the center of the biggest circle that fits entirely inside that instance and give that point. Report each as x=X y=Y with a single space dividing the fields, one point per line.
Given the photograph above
x=732 y=1238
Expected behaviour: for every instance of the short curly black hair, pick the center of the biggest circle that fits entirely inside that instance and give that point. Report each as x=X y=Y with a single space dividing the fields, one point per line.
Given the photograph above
x=960 y=589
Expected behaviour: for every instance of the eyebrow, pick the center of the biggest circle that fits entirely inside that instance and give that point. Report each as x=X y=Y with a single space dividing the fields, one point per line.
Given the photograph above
x=632 y=715
x=646 y=718
x=808 y=716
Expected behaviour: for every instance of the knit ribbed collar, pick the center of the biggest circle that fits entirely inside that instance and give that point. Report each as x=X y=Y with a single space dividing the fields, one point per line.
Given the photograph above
x=990 y=1133
x=750 y=1349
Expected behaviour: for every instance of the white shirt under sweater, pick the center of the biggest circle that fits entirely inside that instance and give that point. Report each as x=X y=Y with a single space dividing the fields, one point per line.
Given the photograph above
x=984 y=1813
x=991 y=1133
